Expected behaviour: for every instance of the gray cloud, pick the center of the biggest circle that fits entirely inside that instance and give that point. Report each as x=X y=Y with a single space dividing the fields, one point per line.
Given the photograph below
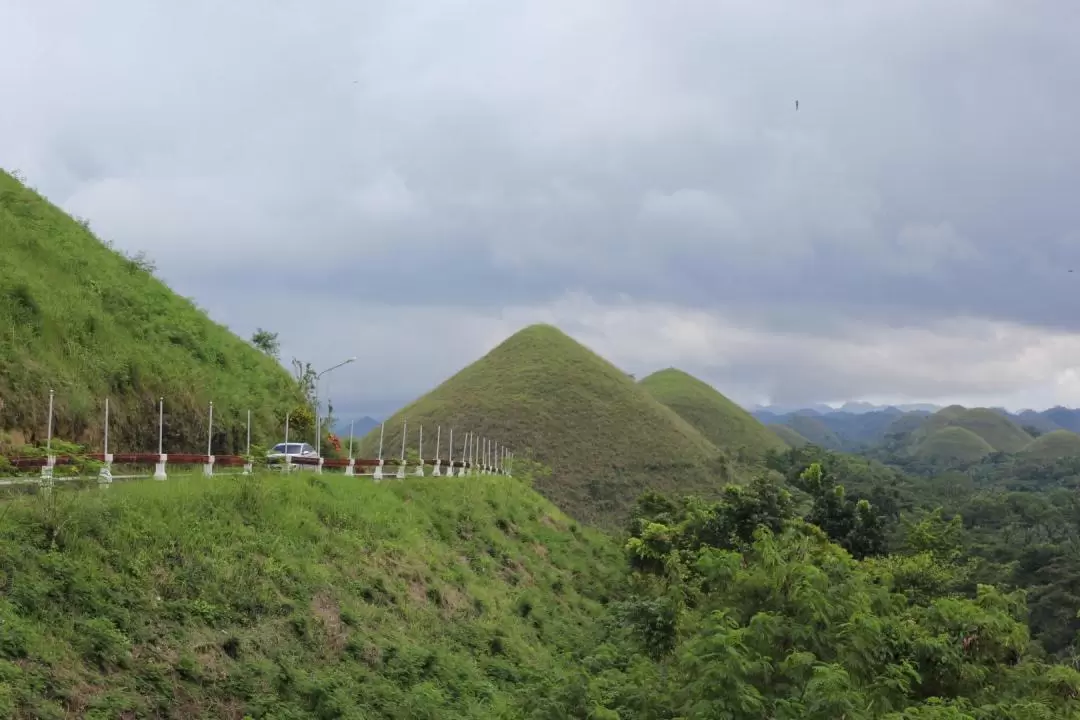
x=442 y=164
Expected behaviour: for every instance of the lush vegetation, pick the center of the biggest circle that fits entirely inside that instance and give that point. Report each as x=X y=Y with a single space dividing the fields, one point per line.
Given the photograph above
x=303 y=597
x=604 y=437
x=90 y=323
x=1013 y=520
x=830 y=585
x=721 y=421
x=748 y=611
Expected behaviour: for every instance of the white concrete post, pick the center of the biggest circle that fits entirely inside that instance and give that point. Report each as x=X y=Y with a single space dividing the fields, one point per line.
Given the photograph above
x=288 y=458
x=378 y=475
x=437 y=470
x=450 y=456
x=159 y=469
x=248 y=465
x=465 y=454
x=404 y=433
x=420 y=462
x=208 y=468
x=105 y=474
x=46 y=479
x=350 y=471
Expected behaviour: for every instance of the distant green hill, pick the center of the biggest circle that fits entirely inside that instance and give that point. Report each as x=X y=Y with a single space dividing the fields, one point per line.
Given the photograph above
x=721 y=421
x=814 y=430
x=89 y=323
x=544 y=394
x=1001 y=433
x=788 y=436
x=951 y=444
x=1054 y=445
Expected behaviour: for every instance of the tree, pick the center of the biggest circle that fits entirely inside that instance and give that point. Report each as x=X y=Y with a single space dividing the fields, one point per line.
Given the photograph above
x=267 y=342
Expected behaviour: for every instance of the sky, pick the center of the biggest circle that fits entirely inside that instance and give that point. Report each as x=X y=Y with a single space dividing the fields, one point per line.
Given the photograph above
x=410 y=182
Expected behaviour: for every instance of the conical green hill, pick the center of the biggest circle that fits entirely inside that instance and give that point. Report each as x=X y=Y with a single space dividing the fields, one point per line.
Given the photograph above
x=721 y=421
x=546 y=396
x=952 y=444
x=1001 y=433
x=1054 y=445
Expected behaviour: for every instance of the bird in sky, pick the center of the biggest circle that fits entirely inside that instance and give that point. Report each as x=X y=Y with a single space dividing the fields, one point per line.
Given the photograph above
x=796 y=105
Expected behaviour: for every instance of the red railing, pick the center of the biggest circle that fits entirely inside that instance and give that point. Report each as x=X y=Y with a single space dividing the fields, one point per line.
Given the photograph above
x=224 y=460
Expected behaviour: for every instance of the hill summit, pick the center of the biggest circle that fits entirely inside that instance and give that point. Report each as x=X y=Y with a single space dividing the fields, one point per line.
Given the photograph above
x=605 y=438
x=1054 y=445
x=87 y=322
x=721 y=421
x=999 y=432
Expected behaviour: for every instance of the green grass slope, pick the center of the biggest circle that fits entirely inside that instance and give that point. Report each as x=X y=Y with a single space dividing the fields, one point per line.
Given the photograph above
x=299 y=597
x=815 y=431
x=721 y=421
x=952 y=444
x=86 y=321
x=1054 y=446
x=788 y=436
x=1001 y=433
x=540 y=392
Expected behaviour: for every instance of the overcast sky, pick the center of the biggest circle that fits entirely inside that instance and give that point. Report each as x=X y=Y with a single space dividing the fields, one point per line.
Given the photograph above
x=411 y=182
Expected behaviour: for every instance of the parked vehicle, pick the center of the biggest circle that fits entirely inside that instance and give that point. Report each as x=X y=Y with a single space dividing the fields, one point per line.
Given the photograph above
x=278 y=454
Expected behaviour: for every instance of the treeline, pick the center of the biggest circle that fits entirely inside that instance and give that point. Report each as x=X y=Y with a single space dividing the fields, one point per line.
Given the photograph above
x=800 y=598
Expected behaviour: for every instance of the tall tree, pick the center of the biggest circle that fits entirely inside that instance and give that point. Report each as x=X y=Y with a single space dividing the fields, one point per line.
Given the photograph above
x=267 y=342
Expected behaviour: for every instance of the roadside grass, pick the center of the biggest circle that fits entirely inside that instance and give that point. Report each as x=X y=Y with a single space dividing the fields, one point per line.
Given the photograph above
x=306 y=596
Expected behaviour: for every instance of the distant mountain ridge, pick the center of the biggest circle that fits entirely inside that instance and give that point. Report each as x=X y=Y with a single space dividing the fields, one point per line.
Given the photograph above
x=850 y=407
x=859 y=426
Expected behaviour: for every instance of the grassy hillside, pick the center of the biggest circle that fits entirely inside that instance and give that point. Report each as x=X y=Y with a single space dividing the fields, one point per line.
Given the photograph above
x=814 y=430
x=1001 y=433
x=604 y=436
x=1054 y=445
x=952 y=445
x=86 y=321
x=721 y=421
x=294 y=598
x=788 y=436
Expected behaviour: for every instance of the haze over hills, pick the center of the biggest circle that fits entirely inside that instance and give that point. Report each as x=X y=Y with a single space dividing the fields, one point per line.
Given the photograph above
x=547 y=396
x=89 y=323
x=789 y=436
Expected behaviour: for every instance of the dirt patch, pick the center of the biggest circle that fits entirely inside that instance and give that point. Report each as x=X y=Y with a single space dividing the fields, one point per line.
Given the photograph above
x=327 y=610
x=454 y=602
x=540 y=550
x=211 y=660
x=79 y=698
x=418 y=592
x=515 y=573
x=551 y=522
x=371 y=655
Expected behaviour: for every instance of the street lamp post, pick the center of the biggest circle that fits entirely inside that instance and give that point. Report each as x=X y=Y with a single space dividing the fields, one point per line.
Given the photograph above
x=318 y=415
